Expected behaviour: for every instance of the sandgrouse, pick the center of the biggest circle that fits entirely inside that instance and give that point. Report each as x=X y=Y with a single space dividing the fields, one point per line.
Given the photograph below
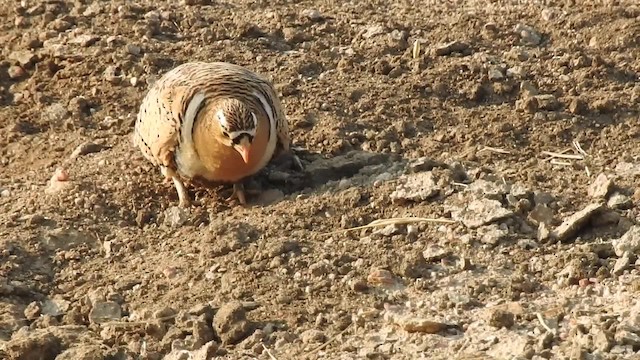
x=217 y=121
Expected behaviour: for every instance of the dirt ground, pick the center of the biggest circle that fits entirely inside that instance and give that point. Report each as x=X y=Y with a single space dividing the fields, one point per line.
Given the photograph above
x=398 y=109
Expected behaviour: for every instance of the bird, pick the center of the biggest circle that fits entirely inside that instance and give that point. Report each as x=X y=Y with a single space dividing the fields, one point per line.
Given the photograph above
x=218 y=121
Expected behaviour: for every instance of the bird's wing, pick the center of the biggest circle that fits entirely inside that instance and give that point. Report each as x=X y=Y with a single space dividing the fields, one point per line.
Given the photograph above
x=161 y=116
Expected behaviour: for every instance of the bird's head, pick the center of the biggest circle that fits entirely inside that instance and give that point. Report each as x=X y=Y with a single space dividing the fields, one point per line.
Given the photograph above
x=238 y=126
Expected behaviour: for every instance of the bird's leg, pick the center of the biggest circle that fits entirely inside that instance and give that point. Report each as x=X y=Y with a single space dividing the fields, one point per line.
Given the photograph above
x=183 y=195
x=238 y=192
x=296 y=161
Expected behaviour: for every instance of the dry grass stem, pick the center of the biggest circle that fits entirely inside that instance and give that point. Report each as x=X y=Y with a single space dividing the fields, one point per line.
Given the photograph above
x=558 y=162
x=328 y=341
x=269 y=353
x=544 y=324
x=394 y=221
x=496 y=150
x=563 y=156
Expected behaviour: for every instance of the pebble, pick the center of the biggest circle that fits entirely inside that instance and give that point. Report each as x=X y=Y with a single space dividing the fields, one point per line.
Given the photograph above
x=575 y=222
x=23 y=57
x=495 y=74
x=417 y=187
x=313 y=336
x=313 y=14
x=86 y=148
x=175 y=216
x=481 y=212
x=105 y=311
x=528 y=34
x=622 y=264
x=501 y=319
x=600 y=187
x=451 y=47
x=629 y=242
x=625 y=337
x=620 y=202
x=16 y=72
x=230 y=323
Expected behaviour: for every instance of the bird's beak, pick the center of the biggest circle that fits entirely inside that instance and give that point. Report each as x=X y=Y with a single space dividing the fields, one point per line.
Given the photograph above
x=243 y=148
x=244 y=152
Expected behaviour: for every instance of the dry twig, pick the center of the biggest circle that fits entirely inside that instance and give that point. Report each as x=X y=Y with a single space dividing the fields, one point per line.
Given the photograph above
x=393 y=221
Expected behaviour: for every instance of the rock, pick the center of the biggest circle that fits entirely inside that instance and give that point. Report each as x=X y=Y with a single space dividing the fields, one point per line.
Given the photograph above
x=230 y=323
x=625 y=337
x=85 y=40
x=32 y=345
x=547 y=102
x=87 y=148
x=24 y=58
x=105 y=311
x=493 y=233
x=501 y=319
x=620 y=202
x=416 y=187
x=11 y=319
x=391 y=230
x=313 y=336
x=16 y=72
x=629 y=242
x=575 y=222
x=82 y=352
x=495 y=74
x=627 y=169
x=32 y=311
x=527 y=89
x=452 y=47
x=600 y=187
x=528 y=34
x=577 y=106
x=481 y=212
x=55 y=307
x=622 y=264
x=547 y=14
x=601 y=339
x=542 y=214
x=517 y=72
x=413 y=266
x=55 y=113
x=382 y=277
x=313 y=15
x=175 y=216
x=488 y=189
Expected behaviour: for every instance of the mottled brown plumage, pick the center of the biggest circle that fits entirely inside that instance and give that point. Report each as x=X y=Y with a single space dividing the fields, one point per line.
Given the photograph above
x=218 y=121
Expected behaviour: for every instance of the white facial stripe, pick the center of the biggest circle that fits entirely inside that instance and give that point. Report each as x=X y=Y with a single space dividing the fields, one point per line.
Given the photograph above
x=267 y=108
x=235 y=134
x=222 y=118
x=190 y=116
x=255 y=120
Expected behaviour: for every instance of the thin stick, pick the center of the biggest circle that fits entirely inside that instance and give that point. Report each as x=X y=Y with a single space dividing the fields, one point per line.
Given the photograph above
x=544 y=324
x=576 y=144
x=563 y=156
x=558 y=162
x=459 y=184
x=269 y=352
x=497 y=150
x=328 y=341
x=561 y=152
x=391 y=221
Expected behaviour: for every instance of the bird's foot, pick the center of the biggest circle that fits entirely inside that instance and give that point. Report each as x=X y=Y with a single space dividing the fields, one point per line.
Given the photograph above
x=239 y=193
